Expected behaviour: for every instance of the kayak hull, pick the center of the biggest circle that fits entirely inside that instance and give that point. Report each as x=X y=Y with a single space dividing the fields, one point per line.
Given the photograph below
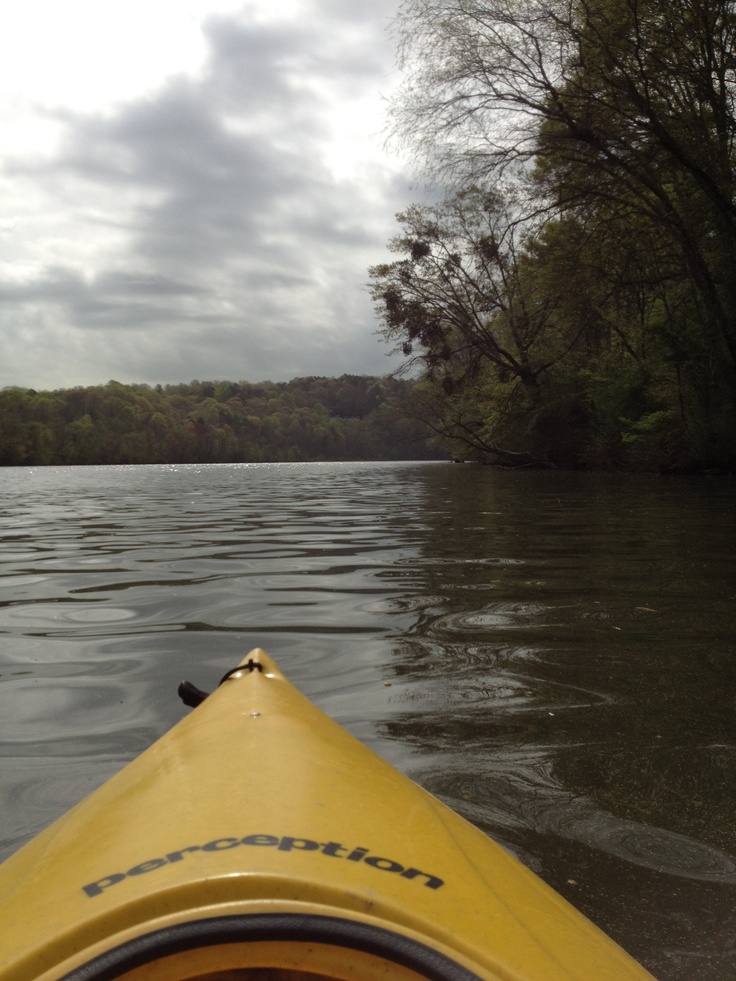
x=258 y=835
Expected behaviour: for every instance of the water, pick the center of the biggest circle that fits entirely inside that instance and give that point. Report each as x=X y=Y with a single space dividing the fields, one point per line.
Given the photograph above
x=551 y=654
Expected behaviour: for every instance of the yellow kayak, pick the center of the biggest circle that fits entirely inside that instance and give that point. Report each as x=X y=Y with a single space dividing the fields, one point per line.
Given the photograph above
x=259 y=840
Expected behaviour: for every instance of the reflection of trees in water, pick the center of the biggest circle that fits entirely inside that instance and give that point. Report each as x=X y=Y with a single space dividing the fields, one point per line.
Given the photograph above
x=569 y=684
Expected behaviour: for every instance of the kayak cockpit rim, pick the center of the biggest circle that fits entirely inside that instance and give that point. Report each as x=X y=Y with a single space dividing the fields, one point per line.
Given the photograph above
x=277 y=946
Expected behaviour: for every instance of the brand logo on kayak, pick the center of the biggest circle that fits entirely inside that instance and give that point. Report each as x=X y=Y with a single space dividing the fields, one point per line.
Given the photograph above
x=332 y=849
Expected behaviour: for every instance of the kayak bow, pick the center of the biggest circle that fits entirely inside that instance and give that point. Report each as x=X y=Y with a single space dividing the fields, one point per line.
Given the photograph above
x=258 y=839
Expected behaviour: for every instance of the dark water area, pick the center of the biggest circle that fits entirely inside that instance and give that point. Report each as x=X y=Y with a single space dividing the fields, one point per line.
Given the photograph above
x=553 y=655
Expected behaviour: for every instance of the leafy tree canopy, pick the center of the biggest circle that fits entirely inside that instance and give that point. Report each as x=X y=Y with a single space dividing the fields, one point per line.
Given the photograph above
x=576 y=289
x=348 y=418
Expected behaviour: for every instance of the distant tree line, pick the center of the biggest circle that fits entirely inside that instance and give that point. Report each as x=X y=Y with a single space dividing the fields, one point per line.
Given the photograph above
x=347 y=418
x=572 y=301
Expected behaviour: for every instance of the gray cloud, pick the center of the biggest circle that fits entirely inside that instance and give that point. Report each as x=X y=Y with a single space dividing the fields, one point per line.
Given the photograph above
x=201 y=230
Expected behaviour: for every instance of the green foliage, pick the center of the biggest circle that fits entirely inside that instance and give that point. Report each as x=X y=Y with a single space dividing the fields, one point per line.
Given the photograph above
x=654 y=436
x=348 y=418
x=582 y=313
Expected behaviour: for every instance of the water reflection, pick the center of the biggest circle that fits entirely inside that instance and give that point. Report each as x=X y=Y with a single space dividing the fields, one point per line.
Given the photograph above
x=552 y=654
x=569 y=687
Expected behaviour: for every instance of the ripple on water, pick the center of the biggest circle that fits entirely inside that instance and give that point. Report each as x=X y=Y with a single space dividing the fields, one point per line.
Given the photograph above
x=53 y=616
x=17 y=583
x=490 y=617
x=665 y=851
x=522 y=793
x=633 y=613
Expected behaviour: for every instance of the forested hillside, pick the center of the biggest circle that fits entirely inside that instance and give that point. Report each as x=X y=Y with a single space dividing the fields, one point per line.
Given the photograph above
x=572 y=301
x=347 y=418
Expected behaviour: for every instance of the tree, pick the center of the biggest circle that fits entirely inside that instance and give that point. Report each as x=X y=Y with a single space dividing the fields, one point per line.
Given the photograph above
x=610 y=125
x=626 y=105
x=470 y=304
x=455 y=296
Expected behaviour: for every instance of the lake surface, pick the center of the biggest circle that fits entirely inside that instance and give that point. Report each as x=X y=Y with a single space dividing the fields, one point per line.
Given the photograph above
x=554 y=655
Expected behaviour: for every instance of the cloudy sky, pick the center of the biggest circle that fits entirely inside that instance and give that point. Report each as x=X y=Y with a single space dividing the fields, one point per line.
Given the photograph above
x=193 y=189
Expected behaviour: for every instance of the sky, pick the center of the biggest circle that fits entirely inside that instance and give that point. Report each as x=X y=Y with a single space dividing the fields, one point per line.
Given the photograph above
x=194 y=189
